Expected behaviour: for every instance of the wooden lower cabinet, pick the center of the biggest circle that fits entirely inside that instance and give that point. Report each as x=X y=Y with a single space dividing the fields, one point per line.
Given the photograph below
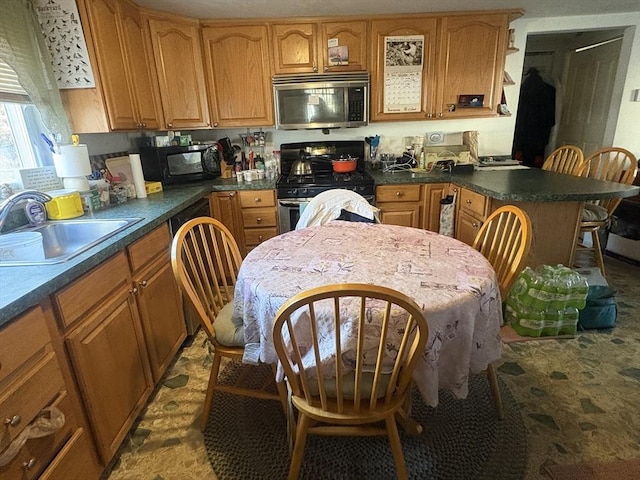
x=108 y=354
x=400 y=204
x=471 y=211
x=122 y=324
x=35 y=381
x=433 y=193
x=250 y=215
x=158 y=298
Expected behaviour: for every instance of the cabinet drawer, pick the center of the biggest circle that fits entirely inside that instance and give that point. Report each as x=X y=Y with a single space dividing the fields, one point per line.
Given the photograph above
x=260 y=217
x=255 y=236
x=27 y=396
x=473 y=202
x=149 y=247
x=21 y=340
x=398 y=193
x=74 y=461
x=75 y=301
x=257 y=198
x=37 y=453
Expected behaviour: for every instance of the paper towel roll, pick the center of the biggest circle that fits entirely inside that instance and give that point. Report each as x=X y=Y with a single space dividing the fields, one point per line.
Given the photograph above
x=138 y=176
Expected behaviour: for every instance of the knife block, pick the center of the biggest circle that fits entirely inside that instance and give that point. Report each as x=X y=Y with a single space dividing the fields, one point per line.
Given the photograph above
x=226 y=171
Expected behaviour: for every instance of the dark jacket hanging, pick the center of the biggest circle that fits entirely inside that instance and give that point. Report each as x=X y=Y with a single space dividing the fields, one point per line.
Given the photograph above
x=535 y=118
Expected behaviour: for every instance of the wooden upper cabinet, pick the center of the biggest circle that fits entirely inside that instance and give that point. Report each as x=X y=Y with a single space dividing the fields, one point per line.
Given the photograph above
x=304 y=47
x=294 y=48
x=473 y=49
x=130 y=92
x=353 y=35
x=238 y=73
x=179 y=65
x=144 y=81
x=381 y=30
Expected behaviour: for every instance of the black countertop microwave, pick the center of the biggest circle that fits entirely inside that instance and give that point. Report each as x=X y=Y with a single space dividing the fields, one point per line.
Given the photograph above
x=321 y=101
x=177 y=164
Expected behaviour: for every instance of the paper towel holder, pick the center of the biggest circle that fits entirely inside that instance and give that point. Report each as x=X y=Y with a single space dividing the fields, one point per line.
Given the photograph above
x=73 y=166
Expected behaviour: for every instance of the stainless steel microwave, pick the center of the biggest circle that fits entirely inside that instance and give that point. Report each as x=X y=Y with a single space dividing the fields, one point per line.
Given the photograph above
x=177 y=164
x=321 y=101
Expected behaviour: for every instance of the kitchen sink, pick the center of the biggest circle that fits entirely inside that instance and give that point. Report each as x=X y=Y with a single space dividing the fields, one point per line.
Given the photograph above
x=65 y=239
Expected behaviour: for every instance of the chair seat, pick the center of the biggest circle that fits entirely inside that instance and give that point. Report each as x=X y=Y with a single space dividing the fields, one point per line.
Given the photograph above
x=229 y=331
x=594 y=213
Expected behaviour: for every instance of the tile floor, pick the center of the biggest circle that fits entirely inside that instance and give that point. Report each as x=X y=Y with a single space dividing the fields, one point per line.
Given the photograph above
x=580 y=399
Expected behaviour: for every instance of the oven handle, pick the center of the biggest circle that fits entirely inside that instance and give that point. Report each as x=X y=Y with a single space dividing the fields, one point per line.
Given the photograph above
x=293 y=203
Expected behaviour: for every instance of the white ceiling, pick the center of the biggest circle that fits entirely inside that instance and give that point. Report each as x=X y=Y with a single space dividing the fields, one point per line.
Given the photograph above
x=211 y=9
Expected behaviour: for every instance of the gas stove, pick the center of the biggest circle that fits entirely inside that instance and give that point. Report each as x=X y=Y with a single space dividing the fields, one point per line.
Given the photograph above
x=322 y=177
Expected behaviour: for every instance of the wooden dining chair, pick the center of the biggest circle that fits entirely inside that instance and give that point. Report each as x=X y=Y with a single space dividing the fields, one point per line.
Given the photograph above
x=372 y=380
x=567 y=159
x=612 y=165
x=205 y=259
x=504 y=239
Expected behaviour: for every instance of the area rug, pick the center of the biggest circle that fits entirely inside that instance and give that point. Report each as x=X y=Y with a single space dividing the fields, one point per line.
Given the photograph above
x=461 y=440
x=618 y=470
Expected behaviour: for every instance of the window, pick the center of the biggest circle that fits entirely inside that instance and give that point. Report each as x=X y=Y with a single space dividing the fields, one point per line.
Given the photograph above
x=21 y=145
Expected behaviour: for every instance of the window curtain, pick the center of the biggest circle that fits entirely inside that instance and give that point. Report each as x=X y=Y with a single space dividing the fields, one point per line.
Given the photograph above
x=23 y=48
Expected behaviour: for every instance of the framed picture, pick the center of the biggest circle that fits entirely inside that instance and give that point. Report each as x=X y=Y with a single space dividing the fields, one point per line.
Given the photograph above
x=466 y=101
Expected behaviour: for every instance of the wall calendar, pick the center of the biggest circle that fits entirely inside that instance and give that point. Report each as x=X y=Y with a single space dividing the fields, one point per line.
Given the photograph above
x=404 y=56
x=64 y=38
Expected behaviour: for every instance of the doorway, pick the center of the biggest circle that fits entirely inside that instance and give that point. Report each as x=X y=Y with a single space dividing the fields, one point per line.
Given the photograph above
x=582 y=67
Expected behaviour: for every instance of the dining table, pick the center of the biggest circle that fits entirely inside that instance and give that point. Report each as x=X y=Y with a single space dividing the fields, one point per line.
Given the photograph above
x=454 y=285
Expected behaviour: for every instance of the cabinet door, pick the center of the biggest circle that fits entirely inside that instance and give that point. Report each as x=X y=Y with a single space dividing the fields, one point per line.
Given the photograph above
x=352 y=35
x=467 y=227
x=225 y=207
x=110 y=53
x=434 y=192
x=160 y=307
x=405 y=214
x=239 y=91
x=471 y=63
x=109 y=358
x=390 y=99
x=142 y=74
x=294 y=48
x=178 y=62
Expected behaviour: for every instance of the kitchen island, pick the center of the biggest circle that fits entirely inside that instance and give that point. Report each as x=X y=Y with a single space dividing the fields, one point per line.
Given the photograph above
x=554 y=202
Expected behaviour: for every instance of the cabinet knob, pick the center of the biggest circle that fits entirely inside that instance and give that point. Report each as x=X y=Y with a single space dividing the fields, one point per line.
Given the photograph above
x=143 y=283
x=468 y=202
x=429 y=115
x=13 y=421
x=398 y=194
x=475 y=225
x=144 y=125
x=257 y=200
x=258 y=220
x=215 y=124
x=260 y=238
x=326 y=69
x=232 y=194
x=133 y=291
x=30 y=464
x=315 y=67
x=170 y=125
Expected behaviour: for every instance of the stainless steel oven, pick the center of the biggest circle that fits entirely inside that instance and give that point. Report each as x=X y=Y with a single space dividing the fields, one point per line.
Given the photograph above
x=296 y=186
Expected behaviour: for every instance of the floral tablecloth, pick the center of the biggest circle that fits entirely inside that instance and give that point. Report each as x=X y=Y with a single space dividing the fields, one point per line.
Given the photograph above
x=453 y=284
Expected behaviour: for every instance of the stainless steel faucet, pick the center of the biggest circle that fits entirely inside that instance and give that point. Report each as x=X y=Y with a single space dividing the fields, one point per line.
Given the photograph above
x=9 y=203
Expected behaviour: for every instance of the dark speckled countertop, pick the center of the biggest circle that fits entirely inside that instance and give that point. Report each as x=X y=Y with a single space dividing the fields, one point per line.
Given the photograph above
x=23 y=287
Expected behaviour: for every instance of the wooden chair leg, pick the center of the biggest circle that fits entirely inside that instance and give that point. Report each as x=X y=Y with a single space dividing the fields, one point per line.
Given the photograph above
x=298 y=448
x=597 y=251
x=495 y=391
x=396 y=448
x=282 y=390
x=211 y=387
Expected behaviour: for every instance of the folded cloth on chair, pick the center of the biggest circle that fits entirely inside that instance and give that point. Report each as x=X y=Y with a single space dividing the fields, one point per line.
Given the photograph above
x=329 y=205
x=594 y=213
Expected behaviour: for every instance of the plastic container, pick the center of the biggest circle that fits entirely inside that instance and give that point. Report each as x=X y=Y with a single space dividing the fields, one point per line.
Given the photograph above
x=21 y=246
x=64 y=204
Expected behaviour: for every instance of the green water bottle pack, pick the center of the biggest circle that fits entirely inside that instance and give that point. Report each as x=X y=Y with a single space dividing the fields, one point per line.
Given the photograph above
x=545 y=301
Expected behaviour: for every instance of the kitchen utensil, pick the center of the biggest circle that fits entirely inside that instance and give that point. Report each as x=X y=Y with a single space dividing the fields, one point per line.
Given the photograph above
x=344 y=165
x=302 y=166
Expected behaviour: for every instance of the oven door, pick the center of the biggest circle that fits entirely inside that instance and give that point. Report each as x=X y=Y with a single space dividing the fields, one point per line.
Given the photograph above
x=289 y=211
